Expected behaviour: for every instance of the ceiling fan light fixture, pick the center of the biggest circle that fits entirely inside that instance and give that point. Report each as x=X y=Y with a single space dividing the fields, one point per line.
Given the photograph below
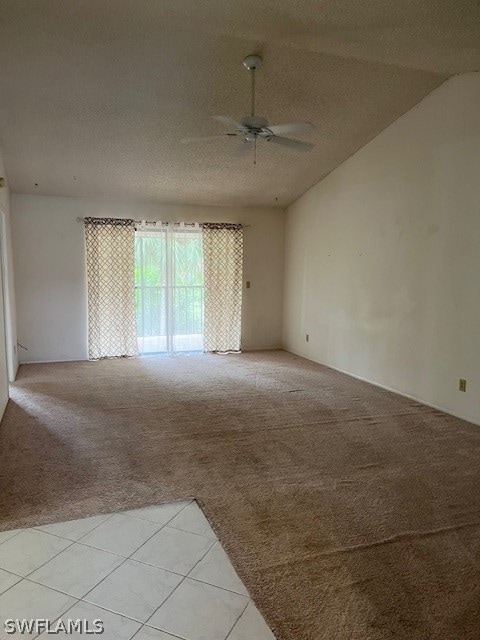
x=252 y=62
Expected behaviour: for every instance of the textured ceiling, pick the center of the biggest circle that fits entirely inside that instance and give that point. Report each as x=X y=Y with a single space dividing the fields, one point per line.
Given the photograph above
x=96 y=94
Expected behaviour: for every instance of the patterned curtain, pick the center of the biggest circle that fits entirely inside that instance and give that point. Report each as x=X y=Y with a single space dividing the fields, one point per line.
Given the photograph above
x=223 y=275
x=110 y=245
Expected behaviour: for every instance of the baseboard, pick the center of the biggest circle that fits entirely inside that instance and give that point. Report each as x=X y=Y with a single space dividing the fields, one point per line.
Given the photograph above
x=278 y=348
x=474 y=420
x=53 y=361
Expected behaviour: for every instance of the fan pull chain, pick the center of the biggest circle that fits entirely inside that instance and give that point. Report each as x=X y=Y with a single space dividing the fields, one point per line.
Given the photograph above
x=252 y=71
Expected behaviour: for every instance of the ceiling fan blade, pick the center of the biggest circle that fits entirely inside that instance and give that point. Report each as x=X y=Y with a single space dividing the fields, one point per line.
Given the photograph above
x=200 y=138
x=291 y=143
x=291 y=127
x=227 y=121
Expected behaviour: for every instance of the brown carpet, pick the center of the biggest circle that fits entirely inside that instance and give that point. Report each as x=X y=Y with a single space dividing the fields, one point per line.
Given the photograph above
x=351 y=513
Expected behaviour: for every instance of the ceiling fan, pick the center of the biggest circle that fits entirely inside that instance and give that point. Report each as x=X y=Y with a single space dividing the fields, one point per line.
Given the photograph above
x=252 y=128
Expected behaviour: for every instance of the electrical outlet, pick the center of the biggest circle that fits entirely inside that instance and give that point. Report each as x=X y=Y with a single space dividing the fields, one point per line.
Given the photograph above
x=248 y=284
x=462 y=385
x=307 y=338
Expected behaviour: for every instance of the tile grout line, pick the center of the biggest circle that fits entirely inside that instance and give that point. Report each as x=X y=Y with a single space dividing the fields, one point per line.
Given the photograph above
x=181 y=582
x=194 y=533
x=98 y=606
x=109 y=515
x=237 y=620
x=161 y=605
x=97 y=527
x=80 y=600
x=14 y=535
x=52 y=558
x=27 y=576
x=41 y=584
x=125 y=559
x=58 y=618
x=248 y=597
x=189 y=575
x=147 y=564
x=210 y=584
x=154 y=534
x=130 y=515
x=144 y=626
x=110 y=573
x=13 y=585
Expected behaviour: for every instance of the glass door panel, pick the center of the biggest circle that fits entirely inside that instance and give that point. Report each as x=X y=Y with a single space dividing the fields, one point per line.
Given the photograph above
x=169 y=291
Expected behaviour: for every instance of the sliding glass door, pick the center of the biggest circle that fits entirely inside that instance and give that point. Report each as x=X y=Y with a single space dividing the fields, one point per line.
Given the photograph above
x=169 y=290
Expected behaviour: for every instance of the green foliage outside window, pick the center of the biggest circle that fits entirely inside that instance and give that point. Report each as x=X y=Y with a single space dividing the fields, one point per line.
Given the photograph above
x=169 y=283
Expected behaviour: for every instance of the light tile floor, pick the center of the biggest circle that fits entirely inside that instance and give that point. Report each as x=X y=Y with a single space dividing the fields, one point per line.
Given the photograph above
x=157 y=573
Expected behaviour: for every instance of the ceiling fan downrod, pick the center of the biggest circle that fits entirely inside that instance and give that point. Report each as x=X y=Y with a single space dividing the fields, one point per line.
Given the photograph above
x=252 y=63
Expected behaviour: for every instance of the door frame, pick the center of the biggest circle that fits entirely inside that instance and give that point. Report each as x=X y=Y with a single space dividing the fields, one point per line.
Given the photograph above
x=10 y=346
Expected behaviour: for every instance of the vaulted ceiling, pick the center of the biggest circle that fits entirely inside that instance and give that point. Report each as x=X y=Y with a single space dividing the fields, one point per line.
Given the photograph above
x=95 y=95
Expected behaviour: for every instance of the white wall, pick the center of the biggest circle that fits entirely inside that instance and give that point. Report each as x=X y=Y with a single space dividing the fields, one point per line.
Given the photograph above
x=383 y=256
x=50 y=278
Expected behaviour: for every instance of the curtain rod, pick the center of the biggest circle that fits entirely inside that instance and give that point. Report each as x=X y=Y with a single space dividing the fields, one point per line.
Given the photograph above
x=155 y=222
